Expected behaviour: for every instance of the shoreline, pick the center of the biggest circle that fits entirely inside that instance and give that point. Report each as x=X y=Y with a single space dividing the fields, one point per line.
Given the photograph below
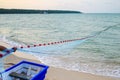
x=53 y=73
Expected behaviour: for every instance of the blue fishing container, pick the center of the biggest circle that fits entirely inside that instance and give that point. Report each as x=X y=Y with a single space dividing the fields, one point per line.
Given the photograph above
x=25 y=71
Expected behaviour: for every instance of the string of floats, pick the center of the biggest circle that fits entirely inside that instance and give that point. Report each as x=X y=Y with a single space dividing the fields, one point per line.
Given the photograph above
x=52 y=43
x=6 y=52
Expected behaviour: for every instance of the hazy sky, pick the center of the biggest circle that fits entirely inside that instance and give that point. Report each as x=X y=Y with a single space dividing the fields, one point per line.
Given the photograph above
x=87 y=6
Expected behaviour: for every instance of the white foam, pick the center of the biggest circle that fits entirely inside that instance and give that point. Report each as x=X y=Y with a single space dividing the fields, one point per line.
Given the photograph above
x=98 y=69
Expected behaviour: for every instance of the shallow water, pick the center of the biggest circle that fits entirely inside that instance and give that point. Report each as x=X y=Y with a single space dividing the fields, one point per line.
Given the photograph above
x=97 y=55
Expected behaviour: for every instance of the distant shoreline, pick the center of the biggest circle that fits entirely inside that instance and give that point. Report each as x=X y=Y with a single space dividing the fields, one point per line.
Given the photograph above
x=27 y=11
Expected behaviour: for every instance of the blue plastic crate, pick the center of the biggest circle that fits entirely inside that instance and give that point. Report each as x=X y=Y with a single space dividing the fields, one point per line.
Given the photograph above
x=26 y=71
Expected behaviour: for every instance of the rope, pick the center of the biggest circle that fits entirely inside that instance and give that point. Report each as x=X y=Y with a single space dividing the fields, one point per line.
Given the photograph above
x=9 y=51
x=51 y=43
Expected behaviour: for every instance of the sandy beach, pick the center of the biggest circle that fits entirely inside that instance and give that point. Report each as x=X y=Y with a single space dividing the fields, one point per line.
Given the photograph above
x=53 y=73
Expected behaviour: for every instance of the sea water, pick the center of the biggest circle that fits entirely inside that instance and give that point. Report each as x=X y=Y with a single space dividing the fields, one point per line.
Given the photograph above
x=97 y=55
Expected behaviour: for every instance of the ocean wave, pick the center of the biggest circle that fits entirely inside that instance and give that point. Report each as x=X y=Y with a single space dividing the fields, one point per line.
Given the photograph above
x=97 y=68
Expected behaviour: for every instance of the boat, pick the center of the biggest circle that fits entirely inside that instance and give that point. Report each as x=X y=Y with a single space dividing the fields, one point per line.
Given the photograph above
x=25 y=71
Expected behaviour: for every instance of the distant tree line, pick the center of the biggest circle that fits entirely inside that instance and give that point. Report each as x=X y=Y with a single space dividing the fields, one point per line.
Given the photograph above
x=25 y=11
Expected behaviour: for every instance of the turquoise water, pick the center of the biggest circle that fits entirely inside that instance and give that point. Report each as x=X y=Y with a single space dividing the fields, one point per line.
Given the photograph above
x=97 y=55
